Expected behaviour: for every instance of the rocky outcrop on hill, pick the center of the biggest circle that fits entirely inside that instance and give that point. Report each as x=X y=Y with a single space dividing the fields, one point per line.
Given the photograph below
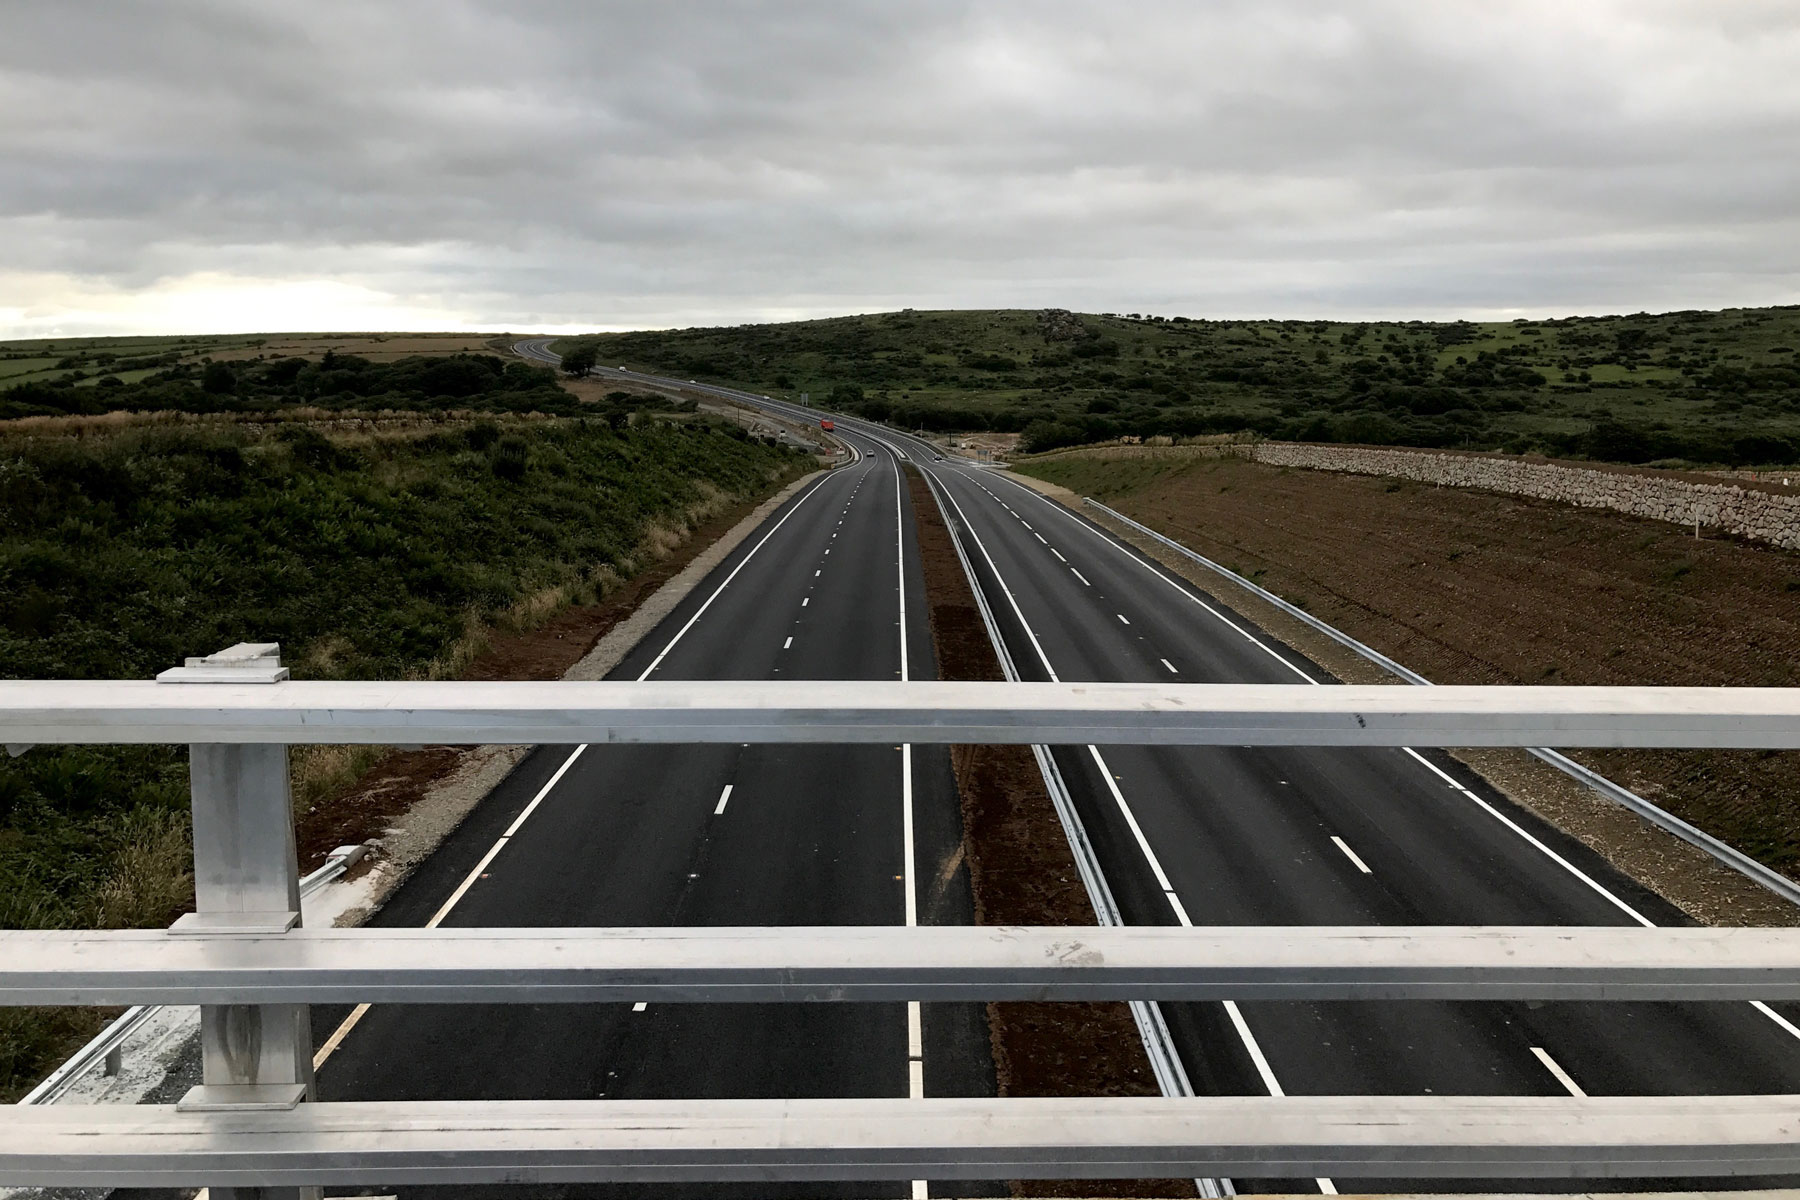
x=1060 y=325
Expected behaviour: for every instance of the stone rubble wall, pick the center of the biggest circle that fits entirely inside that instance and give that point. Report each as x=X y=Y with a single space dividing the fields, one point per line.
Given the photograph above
x=1747 y=513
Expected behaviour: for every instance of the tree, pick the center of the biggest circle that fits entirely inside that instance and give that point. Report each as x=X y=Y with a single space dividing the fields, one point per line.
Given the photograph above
x=580 y=359
x=218 y=379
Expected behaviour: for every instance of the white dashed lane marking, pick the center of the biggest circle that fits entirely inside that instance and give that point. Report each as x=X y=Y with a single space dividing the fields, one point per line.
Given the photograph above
x=1562 y=1076
x=1351 y=854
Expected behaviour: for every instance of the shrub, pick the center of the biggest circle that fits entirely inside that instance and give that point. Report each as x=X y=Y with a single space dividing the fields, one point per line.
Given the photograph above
x=511 y=457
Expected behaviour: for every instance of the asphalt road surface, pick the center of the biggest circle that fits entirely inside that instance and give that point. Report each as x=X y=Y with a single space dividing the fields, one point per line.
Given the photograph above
x=1275 y=836
x=710 y=835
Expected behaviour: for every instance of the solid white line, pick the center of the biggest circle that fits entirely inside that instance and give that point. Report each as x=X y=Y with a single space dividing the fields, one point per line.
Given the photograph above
x=1010 y=598
x=1562 y=1076
x=1165 y=662
x=536 y=800
x=1190 y=596
x=787 y=644
x=1083 y=578
x=1248 y=1038
x=900 y=564
x=915 y=1021
x=726 y=582
x=1776 y=1017
x=356 y=1014
x=467 y=883
x=1558 y=859
x=724 y=797
x=1272 y=1084
x=1156 y=867
x=337 y=1036
x=1351 y=855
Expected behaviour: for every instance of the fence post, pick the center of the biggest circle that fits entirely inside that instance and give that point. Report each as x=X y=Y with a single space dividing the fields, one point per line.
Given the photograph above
x=246 y=881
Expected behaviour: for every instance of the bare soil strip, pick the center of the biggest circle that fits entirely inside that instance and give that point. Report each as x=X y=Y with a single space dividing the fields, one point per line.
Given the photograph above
x=1022 y=873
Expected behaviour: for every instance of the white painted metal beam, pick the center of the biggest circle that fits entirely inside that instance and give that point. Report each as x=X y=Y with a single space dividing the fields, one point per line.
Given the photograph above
x=534 y=966
x=890 y=712
x=488 y=1142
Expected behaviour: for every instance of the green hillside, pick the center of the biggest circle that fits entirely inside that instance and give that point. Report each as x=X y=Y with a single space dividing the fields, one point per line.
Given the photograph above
x=386 y=550
x=1698 y=387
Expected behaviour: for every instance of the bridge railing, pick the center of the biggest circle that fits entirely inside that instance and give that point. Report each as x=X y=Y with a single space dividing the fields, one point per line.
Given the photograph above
x=244 y=959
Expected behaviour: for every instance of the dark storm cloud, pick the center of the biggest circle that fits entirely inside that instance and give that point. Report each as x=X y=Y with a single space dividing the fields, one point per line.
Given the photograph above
x=514 y=165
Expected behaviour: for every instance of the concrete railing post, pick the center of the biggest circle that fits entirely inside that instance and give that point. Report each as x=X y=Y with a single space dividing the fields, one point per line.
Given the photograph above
x=246 y=881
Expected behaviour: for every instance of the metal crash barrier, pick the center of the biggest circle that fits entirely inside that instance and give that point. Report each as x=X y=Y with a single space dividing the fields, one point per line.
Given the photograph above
x=243 y=958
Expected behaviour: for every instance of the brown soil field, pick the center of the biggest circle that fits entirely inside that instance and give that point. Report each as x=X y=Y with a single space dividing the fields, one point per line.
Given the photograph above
x=1774 y=481
x=1475 y=587
x=1022 y=873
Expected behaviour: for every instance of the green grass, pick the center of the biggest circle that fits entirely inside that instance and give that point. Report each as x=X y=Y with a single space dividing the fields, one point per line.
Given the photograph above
x=1701 y=387
x=365 y=557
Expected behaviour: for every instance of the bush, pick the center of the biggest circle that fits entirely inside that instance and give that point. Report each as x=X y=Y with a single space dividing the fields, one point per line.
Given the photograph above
x=336 y=380
x=511 y=457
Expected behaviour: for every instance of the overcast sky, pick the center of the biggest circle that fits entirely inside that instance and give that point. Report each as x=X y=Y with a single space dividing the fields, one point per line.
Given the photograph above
x=458 y=164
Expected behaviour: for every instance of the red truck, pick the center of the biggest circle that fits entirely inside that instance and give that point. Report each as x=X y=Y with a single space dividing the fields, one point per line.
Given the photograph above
x=827 y=425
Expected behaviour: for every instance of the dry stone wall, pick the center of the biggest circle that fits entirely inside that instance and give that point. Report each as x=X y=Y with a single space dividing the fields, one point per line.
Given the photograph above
x=1745 y=512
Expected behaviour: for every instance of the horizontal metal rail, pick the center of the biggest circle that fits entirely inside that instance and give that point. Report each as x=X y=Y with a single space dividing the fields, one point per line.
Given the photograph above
x=109 y=1042
x=892 y=712
x=488 y=1142
x=884 y=963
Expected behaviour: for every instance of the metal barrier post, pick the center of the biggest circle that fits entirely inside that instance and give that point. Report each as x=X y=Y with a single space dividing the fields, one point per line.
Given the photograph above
x=254 y=1057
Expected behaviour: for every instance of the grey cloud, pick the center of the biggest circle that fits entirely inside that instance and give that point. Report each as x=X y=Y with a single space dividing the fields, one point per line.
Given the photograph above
x=647 y=163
